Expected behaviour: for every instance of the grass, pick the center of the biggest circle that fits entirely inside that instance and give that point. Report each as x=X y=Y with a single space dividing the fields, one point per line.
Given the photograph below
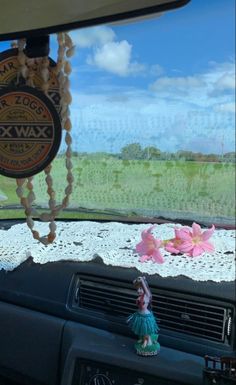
x=151 y=188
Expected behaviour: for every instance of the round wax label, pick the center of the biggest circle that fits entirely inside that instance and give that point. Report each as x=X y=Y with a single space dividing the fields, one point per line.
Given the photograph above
x=9 y=68
x=30 y=132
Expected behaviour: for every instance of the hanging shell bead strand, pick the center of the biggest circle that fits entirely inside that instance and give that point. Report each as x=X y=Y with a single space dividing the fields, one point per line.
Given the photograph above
x=63 y=70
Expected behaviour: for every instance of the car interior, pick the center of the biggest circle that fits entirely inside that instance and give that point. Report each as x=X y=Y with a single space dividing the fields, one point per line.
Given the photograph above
x=117 y=141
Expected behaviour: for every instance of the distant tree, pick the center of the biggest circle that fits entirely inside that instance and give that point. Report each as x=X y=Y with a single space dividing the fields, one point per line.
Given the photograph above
x=100 y=155
x=184 y=155
x=151 y=153
x=229 y=156
x=212 y=158
x=132 y=151
x=75 y=153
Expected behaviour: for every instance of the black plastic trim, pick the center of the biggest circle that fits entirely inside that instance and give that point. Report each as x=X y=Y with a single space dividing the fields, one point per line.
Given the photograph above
x=82 y=342
x=96 y=21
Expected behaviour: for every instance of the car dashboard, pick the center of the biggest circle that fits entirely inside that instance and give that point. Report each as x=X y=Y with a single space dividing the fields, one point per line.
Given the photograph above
x=64 y=323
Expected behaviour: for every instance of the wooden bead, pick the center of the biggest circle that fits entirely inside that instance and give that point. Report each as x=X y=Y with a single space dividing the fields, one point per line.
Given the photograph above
x=30 y=62
x=43 y=240
x=30 y=222
x=53 y=227
x=21 y=58
x=20 y=182
x=52 y=203
x=24 y=71
x=45 y=62
x=48 y=169
x=67 y=98
x=67 y=68
x=51 y=237
x=70 y=52
x=67 y=125
x=65 y=202
x=20 y=191
x=24 y=201
x=68 y=41
x=66 y=83
x=28 y=211
x=21 y=44
x=70 y=177
x=68 y=190
x=30 y=185
x=49 y=180
x=35 y=234
x=69 y=164
x=31 y=197
x=45 y=74
x=50 y=191
x=68 y=138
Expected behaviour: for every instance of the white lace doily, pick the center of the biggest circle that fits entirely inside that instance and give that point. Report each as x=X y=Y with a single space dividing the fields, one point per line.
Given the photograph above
x=115 y=244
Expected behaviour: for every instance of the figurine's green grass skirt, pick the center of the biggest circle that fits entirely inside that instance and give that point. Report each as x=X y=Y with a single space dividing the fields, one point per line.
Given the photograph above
x=143 y=324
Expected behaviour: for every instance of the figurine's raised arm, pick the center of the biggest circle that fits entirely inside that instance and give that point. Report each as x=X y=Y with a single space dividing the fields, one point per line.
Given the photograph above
x=146 y=287
x=142 y=282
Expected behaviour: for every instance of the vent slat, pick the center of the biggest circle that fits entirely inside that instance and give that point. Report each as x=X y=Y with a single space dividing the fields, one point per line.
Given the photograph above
x=160 y=304
x=159 y=310
x=107 y=295
x=189 y=321
x=195 y=333
x=196 y=308
x=103 y=308
x=107 y=306
x=107 y=298
x=175 y=302
x=177 y=314
x=194 y=317
x=103 y=288
x=189 y=326
x=165 y=320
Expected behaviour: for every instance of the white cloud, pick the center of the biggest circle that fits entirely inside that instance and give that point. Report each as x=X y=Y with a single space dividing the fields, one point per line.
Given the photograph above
x=96 y=36
x=131 y=115
x=136 y=68
x=225 y=107
x=156 y=70
x=220 y=78
x=205 y=90
x=225 y=82
x=177 y=84
x=223 y=67
x=115 y=57
x=108 y=54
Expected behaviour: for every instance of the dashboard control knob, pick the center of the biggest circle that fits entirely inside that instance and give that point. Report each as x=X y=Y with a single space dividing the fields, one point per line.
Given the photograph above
x=100 y=379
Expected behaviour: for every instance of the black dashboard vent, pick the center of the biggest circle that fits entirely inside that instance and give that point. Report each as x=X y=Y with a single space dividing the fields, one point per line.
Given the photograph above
x=175 y=311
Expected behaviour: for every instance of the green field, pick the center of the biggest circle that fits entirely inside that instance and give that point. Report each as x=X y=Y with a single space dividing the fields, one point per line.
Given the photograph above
x=173 y=189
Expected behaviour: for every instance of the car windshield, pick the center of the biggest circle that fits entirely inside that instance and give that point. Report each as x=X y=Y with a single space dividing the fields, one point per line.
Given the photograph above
x=153 y=121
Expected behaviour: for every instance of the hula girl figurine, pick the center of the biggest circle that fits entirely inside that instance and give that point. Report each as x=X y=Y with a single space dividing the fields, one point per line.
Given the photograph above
x=143 y=322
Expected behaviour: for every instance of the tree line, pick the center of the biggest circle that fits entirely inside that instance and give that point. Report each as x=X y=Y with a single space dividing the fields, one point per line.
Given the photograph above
x=134 y=151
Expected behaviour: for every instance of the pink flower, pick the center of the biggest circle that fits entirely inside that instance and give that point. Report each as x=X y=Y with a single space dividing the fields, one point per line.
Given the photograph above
x=148 y=248
x=173 y=245
x=195 y=242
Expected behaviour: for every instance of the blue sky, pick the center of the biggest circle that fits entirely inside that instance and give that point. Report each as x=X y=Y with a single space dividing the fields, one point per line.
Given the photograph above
x=167 y=81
